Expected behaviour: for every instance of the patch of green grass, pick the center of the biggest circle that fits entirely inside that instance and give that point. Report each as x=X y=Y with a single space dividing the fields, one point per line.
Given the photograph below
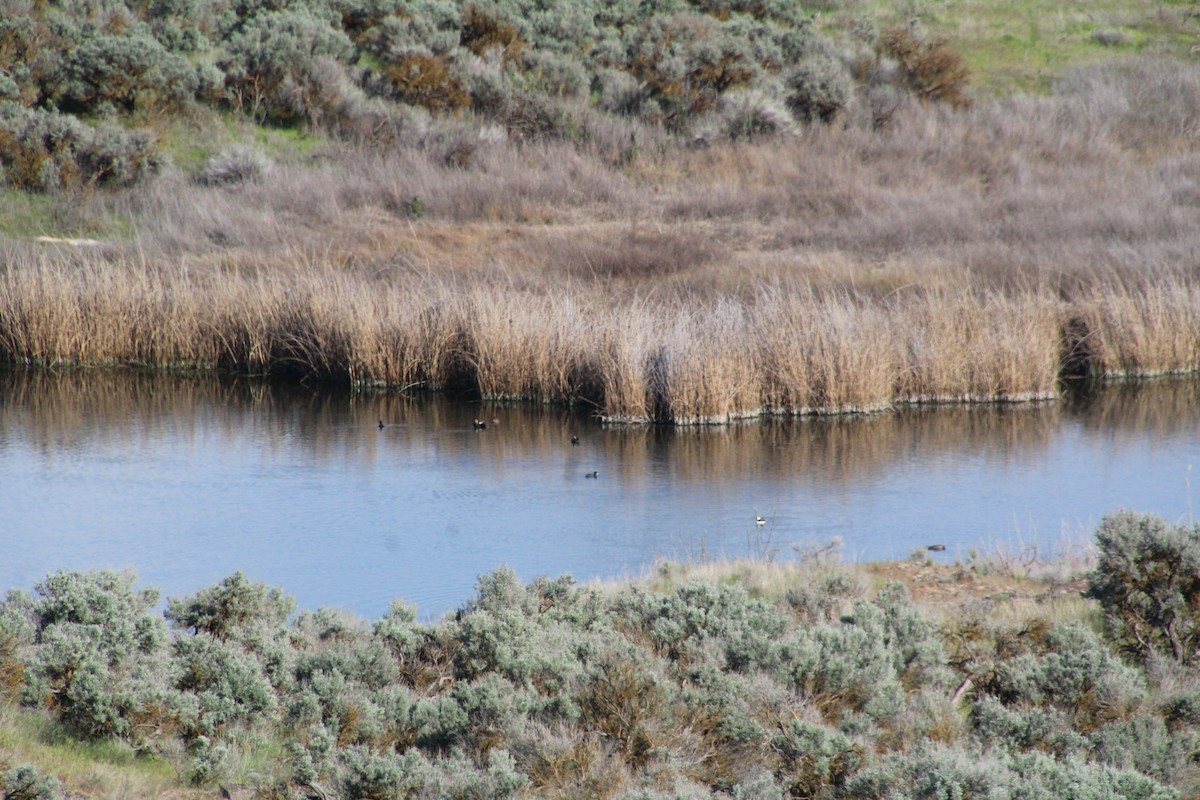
x=191 y=141
x=24 y=215
x=28 y=215
x=286 y=144
x=1026 y=45
x=98 y=768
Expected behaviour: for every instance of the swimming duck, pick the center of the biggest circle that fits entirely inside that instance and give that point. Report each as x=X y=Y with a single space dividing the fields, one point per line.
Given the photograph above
x=574 y=440
x=480 y=424
x=592 y=475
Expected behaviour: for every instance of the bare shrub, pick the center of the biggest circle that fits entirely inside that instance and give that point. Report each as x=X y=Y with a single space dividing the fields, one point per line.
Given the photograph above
x=1143 y=102
x=237 y=164
x=482 y=32
x=425 y=80
x=565 y=763
x=931 y=68
x=1110 y=37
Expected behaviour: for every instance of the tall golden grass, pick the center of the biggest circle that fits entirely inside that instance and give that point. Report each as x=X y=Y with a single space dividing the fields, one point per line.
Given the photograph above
x=951 y=256
x=769 y=348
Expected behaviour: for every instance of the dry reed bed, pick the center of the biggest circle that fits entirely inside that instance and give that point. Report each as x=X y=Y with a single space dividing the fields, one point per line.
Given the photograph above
x=640 y=356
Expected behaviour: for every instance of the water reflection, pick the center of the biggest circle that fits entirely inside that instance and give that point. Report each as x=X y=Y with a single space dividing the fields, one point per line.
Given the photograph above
x=189 y=478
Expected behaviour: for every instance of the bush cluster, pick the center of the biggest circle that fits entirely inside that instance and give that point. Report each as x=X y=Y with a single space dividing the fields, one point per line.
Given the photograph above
x=358 y=68
x=1148 y=584
x=551 y=689
x=45 y=150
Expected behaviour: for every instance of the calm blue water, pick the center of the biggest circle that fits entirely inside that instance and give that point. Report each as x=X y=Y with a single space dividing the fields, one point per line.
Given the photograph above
x=185 y=480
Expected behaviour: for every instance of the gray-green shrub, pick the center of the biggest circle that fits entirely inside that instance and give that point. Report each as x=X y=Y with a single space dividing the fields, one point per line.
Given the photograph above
x=229 y=685
x=270 y=61
x=99 y=651
x=368 y=775
x=25 y=782
x=815 y=761
x=1147 y=580
x=817 y=89
x=238 y=164
x=130 y=71
x=937 y=773
x=232 y=609
x=44 y=150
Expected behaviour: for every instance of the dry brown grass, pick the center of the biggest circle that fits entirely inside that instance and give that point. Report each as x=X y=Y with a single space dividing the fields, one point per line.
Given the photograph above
x=777 y=348
x=953 y=255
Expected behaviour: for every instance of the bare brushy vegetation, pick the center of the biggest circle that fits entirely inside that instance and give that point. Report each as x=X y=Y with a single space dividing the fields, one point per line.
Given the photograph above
x=762 y=680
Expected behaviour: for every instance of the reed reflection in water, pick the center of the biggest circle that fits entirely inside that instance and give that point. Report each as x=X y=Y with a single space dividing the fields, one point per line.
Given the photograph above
x=187 y=479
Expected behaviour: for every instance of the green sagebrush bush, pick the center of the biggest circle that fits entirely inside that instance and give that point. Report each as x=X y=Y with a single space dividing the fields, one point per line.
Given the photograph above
x=823 y=597
x=684 y=624
x=99 y=654
x=1147 y=581
x=106 y=600
x=27 y=57
x=24 y=782
x=274 y=60
x=234 y=609
x=817 y=89
x=936 y=773
x=207 y=758
x=129 y=71
x=1063 y=695
x=842 y=669
x=1145 y=744
x=531 y=635
x=44 y=150
x=862 y=663
x=17 y=634
x=623 y=697
x=369 y=775
x=229 y=685
x=460 y=778
x=815 y=761
x=344 y=66
x=365 y=774
x=723 y=710
x=684 y=66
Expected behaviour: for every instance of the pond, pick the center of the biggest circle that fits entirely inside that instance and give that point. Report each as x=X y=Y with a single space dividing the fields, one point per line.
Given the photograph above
x=188 y=479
